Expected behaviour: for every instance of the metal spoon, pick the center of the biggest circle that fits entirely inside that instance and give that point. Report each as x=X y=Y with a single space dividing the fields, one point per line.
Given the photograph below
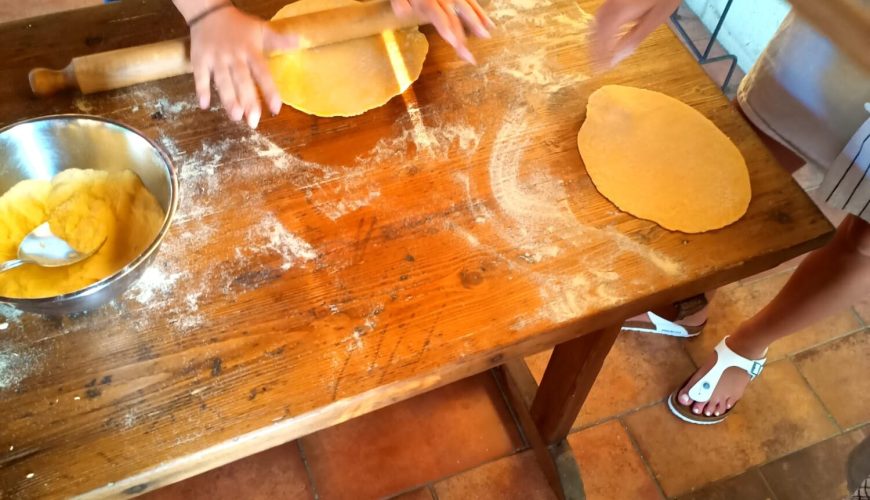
x=43 y=248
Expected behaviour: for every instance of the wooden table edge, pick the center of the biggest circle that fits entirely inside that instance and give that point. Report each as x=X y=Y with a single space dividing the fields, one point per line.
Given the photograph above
x=340 y=411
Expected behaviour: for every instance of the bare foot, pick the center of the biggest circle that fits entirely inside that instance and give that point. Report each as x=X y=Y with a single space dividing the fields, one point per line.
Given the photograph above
x=730 y=388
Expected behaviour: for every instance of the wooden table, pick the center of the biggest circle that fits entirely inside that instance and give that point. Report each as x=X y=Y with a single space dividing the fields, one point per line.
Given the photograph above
x=320 y=269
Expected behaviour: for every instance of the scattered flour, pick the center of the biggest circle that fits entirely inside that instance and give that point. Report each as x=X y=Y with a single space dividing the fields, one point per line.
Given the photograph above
x=83 y=105
x=15 y=367
x=154 y=284
x=507 y=10
x=173 y=108
x=476 y=206
x=532 y=69
x=188 y=322
x=537 y=67
x=532 y=211
x=355 y=340
x=129 y=420
x=9 y=315
x=269 y=150
x=581 y=23
x=269 y=235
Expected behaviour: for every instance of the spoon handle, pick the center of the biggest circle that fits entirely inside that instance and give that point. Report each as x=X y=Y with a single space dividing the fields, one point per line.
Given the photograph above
x=11 y=264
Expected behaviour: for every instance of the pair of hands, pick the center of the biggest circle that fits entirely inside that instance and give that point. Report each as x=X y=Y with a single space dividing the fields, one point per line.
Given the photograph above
x=229 y=46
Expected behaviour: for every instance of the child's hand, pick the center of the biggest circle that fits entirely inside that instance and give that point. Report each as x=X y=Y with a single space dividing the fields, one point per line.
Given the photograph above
x=609 y=44
x=230 y=44
x=448 y=17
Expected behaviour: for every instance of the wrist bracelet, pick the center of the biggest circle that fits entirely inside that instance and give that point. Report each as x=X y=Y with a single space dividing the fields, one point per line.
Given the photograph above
x=211 y=10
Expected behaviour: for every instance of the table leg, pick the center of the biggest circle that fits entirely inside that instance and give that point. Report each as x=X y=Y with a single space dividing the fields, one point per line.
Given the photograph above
x=556 y=462
x=546 y=413
x=570 y=374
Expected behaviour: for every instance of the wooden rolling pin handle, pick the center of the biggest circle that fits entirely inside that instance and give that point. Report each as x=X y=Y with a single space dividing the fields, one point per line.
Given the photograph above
x=45 y=82
x=115 y=69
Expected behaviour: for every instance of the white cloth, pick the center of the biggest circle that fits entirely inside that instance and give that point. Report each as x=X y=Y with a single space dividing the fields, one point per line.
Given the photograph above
x=807 y=95
x=847 y=182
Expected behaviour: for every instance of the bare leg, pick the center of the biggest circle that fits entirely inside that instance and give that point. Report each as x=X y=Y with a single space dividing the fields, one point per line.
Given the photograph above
x=828 y=280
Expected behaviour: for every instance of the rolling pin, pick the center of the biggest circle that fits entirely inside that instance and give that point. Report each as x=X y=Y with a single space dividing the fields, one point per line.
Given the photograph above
x=124 y=67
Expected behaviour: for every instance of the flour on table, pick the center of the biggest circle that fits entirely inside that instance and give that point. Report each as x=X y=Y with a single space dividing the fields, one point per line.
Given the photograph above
x=9 y=315
x=580 y=23
x=530 y=209
x=532 y=69
x=355 y=340
x=154 y=284
x=16 y=366
x=476 y=206
x=174 y=108
x=83 y=105
x=440 y=139
x=505 y=10
x=269 y=235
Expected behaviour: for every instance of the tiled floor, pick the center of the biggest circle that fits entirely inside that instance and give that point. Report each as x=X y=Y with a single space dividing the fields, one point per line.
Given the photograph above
x=801 y=432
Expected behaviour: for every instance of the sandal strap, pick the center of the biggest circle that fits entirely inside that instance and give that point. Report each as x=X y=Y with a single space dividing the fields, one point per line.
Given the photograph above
x=667 y=327
x=725 y=358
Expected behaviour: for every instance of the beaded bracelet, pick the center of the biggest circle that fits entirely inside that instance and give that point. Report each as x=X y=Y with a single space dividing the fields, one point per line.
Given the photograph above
x=199 y=17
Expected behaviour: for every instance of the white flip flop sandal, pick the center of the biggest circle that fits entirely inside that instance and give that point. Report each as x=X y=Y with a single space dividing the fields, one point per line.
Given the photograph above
x=655 y=323
x=702 y=390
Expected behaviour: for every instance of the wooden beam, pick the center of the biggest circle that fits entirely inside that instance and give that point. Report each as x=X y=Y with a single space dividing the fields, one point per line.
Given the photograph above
x=570 y=374
x=557 y=462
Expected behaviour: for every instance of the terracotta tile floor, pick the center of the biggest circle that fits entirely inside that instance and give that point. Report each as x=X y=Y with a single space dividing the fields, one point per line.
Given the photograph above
x=438 y=434
x=610 y=464
x=283 y=466
x=801 y=432
x=517 y=476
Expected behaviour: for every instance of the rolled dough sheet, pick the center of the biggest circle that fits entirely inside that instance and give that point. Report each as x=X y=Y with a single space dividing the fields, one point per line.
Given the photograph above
x=348 y=78
x=661 y=160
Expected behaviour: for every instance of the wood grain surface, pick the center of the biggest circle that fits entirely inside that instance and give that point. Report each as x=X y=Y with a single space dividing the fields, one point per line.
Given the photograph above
x=322 y=268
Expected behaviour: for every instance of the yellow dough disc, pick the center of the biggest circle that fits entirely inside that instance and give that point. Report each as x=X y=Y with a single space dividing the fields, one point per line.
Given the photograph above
x=347 y=78
x=659 y=159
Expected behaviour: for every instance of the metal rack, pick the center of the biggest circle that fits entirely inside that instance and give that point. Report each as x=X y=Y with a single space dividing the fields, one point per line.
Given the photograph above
x=704 y=57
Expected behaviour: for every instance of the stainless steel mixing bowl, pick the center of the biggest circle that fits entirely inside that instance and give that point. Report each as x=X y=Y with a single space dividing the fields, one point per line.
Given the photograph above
x=42 y=147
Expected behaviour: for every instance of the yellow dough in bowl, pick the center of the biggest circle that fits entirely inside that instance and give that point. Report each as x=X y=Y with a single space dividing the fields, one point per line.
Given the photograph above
x=347 y=78
x=87 y=208
x=659 y=159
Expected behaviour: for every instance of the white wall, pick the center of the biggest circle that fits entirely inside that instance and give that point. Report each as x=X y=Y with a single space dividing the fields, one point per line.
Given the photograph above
x=749 y=26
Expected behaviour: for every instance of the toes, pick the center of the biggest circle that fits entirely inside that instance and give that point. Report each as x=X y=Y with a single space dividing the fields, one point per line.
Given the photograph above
x=683 y=397
x=710 y=407
x=698 y=408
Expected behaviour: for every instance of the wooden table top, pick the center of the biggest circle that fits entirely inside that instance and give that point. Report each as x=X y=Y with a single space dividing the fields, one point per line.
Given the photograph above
x=319 y=268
